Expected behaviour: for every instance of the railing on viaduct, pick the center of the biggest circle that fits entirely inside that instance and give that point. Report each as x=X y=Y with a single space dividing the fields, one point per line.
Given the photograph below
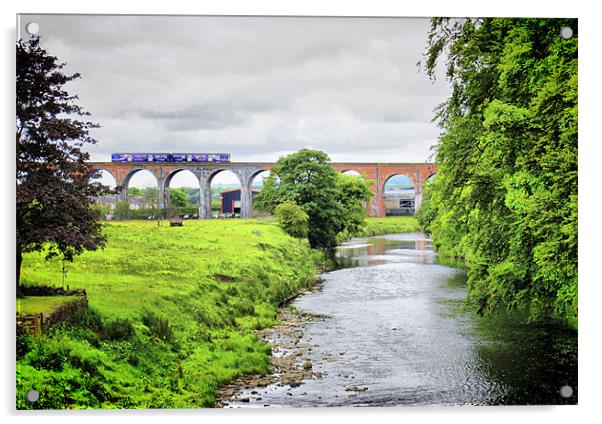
x=247 y=171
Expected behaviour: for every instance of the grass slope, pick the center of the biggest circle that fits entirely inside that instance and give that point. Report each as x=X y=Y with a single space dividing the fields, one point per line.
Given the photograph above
x=171 y=317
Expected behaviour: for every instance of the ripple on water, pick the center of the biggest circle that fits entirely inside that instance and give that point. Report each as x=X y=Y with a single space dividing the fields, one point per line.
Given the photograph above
x=397 y=334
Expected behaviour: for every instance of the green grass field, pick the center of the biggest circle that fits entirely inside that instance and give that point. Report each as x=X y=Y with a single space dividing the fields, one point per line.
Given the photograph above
x=172 y=313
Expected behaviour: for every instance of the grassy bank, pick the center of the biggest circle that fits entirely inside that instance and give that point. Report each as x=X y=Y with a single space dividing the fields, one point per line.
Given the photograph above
x=171 y=317
x=384 y=225
x=390 y=225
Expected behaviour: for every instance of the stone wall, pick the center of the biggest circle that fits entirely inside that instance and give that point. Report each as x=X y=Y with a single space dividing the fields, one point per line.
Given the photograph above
x=39 y=323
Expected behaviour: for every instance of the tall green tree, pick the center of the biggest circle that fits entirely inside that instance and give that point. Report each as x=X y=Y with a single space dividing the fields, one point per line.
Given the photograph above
x=54 y=184
x=354 y=195
x=135 y=191
x=193 y=194
x=151 y=197
x=178 y=198
x=505 y=196
x=122 y=210
x=269 y=197
x=330 y=201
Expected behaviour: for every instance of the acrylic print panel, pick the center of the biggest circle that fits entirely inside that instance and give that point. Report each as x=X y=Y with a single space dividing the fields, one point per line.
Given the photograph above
x=283 y=223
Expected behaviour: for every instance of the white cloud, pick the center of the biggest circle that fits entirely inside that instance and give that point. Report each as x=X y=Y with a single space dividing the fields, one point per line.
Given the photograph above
x=257 y=88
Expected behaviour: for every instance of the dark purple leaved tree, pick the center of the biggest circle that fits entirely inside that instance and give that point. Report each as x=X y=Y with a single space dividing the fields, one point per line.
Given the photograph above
x=54 y=187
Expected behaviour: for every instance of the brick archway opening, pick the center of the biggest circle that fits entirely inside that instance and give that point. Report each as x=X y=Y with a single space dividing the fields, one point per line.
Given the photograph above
x=107 y=202
x=224 y=190
x=183 y=178
x=399 y=195
x=375 y=172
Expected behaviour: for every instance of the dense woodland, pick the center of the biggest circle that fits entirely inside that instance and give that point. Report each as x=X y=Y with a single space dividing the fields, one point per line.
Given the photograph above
x=505 y=198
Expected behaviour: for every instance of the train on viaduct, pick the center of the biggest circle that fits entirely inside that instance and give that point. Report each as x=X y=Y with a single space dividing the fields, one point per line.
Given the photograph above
x=164 y=171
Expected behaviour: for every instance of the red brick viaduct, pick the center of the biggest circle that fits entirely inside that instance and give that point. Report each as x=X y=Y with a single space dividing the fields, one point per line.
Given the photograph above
x=247 y=171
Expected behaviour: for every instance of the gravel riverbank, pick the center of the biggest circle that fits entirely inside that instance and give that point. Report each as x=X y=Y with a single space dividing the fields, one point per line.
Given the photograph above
x=290 y=364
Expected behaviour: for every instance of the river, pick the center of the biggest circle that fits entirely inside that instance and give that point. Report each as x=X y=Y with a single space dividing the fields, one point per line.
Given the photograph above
x=397 y=332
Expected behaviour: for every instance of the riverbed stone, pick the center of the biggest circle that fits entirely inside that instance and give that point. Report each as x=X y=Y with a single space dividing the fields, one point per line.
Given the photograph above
x=290 y=367
x=356 y=389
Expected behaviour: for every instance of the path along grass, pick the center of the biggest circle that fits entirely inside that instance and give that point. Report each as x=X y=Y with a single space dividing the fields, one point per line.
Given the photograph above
x=172 y=313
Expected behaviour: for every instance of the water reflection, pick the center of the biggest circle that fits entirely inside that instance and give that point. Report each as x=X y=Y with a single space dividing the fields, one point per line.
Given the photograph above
x=528 y=363
x=358 y=252
x=532 y=361
x=399 y=333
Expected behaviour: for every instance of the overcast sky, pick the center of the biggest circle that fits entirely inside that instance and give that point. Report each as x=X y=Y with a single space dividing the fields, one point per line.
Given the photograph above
x=255 y=87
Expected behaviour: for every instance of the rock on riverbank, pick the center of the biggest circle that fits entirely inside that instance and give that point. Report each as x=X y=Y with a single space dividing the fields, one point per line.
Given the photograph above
x=290 y=362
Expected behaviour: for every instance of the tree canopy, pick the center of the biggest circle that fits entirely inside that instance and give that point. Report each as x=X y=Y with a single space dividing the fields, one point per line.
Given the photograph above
x=54 y=189
x=354 y=195
x=330 y=200
x=135 y=191
x=151 y=196
x=505 y=196
x=293 y=219
x=178 y=198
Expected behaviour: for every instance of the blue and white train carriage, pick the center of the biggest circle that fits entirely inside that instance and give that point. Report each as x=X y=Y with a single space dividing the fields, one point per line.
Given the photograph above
x=171 y=157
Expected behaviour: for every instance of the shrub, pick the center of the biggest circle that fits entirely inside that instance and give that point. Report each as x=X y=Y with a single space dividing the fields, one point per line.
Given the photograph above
x=48 y=354
x=88 y=318
x=85 y=324
x=158 y=327
x=293 y=219
x=243 y=306
x=122 y=210
x=24 y=343
x=120 y=329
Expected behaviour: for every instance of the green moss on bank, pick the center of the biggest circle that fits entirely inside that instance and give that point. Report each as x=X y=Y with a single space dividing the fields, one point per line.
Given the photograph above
x=172 y=314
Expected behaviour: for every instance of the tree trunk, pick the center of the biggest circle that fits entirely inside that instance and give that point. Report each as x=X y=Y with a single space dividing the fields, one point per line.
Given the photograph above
x=19 y=262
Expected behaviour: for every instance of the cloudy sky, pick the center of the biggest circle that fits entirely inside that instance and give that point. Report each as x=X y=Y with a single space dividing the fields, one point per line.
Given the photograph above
x=255 y=87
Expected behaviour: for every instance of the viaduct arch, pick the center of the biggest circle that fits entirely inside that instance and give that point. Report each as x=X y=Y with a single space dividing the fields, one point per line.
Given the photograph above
x=246 y=172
